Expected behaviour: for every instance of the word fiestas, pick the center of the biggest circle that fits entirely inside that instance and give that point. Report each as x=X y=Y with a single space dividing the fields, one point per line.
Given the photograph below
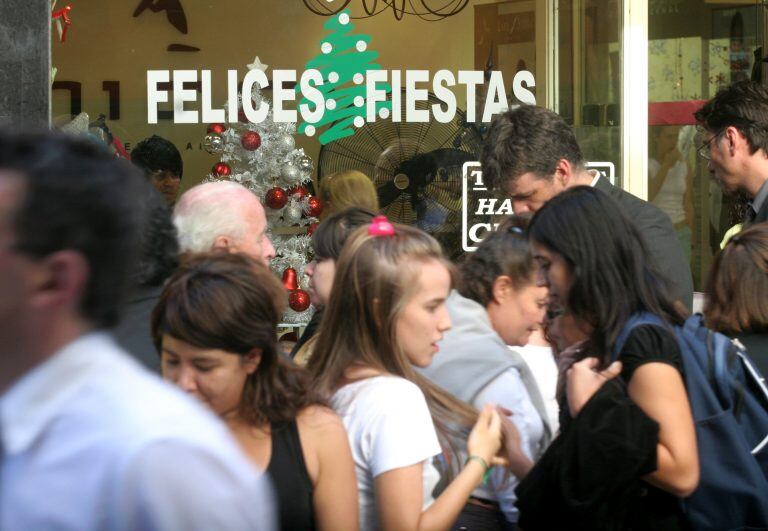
x=403 y=107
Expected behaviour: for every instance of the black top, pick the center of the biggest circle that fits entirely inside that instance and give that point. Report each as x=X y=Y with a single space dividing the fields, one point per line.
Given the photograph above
x=293 y=487
x=660 y=237
x=133 y=332
x=654 y=509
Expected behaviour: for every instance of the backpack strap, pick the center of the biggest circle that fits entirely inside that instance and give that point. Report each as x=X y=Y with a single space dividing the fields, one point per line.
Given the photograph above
x=637 y=319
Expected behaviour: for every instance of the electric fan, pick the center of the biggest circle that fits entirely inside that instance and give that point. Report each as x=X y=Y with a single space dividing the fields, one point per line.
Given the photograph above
x=416 y=168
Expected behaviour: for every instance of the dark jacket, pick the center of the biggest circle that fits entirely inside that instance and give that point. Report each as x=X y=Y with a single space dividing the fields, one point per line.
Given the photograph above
x=133 y=333
x=588 y=479
x=660 y=237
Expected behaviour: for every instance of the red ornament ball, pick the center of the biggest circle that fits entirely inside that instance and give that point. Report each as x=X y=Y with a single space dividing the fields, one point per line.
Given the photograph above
x=311 y=229
x=276 y=198
x=315 y=207
x=216 y=128
x=298 y=190
x=251 y=140
x=298 y=300
x=221 y=169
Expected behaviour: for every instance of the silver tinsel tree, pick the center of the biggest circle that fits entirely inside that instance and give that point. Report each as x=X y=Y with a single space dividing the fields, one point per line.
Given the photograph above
x=263 y=158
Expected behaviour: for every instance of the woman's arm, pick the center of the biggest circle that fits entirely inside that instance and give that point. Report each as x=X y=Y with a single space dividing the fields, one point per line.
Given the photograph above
x=399 y=492
x=335 y=493
x=658 y=389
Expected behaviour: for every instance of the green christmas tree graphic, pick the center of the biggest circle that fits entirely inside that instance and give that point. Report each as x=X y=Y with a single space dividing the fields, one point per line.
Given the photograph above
x=343 y=62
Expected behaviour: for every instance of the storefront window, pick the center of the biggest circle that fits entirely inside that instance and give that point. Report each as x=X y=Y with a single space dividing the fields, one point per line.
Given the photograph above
x=102 y=66
x=695 y=47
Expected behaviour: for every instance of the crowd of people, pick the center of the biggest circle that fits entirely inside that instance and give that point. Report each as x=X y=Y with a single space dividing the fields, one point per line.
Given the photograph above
x=410 y=401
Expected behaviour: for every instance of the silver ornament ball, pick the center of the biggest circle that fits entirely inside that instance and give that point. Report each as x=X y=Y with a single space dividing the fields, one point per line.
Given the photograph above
x=292 y=213
x=285 y=142
x=290 y=173
x=213 y=143
x=304 y=163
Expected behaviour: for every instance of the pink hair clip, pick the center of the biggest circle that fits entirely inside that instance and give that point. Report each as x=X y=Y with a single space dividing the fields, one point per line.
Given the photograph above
x=380 y=226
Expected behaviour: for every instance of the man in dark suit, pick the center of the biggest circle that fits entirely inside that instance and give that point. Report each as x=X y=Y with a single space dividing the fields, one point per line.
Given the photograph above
x=531 y=155
x=735 y=124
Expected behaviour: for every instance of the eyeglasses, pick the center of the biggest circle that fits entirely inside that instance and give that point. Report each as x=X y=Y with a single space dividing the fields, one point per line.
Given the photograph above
x=703 y=151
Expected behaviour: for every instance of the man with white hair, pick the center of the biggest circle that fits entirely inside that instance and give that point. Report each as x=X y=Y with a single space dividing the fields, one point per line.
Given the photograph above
x=223 y=215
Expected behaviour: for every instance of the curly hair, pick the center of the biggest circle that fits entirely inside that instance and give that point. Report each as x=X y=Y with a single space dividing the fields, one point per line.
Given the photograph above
x=503 y=252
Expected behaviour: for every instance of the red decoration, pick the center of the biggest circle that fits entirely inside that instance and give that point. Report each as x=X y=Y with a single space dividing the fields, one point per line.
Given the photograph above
x=298 y=300
x=61 y=17
x=221 y=169
x=289 y=279
x=315 y=206
x=276 y=198
x=311 y=228
x=241 y=117
x=298 y=190
x=251 y=140
x=217 y=128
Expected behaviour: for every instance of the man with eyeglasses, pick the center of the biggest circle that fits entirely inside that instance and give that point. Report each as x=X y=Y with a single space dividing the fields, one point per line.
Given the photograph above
x=735 y=127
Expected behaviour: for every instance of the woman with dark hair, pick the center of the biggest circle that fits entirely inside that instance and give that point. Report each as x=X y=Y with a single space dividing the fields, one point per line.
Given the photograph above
x=737 y=292
x=596 y=266
x=215 y=327
x=327 y=241
x=497 y=304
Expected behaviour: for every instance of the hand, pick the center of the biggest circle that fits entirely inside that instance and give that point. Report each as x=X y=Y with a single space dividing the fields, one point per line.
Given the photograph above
x=516 y=460
x=485 y=439
x=584 y=381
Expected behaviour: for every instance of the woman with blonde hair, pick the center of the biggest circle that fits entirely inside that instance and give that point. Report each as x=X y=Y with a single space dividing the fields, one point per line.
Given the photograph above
x=386 y=313
x=345 y=189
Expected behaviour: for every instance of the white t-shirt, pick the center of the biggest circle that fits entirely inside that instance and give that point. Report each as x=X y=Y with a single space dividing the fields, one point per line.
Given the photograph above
x=541 y=361
x=389 y=427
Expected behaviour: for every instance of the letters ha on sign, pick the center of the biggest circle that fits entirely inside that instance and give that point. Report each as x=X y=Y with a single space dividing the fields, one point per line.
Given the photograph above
x=481 y=210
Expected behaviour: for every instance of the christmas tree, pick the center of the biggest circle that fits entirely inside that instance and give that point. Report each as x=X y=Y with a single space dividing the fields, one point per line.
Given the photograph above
x=263 y=157
x=343 y=62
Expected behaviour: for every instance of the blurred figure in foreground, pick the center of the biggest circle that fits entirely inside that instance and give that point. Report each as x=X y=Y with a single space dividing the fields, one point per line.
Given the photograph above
x=75 y=410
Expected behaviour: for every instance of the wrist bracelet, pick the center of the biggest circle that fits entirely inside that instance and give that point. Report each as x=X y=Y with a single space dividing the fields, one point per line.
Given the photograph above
x=486 y=468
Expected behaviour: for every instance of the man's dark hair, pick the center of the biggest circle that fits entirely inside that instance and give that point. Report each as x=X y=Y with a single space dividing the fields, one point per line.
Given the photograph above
x=743 y=105
x=77 y=196
x=613 y=275
x=157 y=154
x=527 y=139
